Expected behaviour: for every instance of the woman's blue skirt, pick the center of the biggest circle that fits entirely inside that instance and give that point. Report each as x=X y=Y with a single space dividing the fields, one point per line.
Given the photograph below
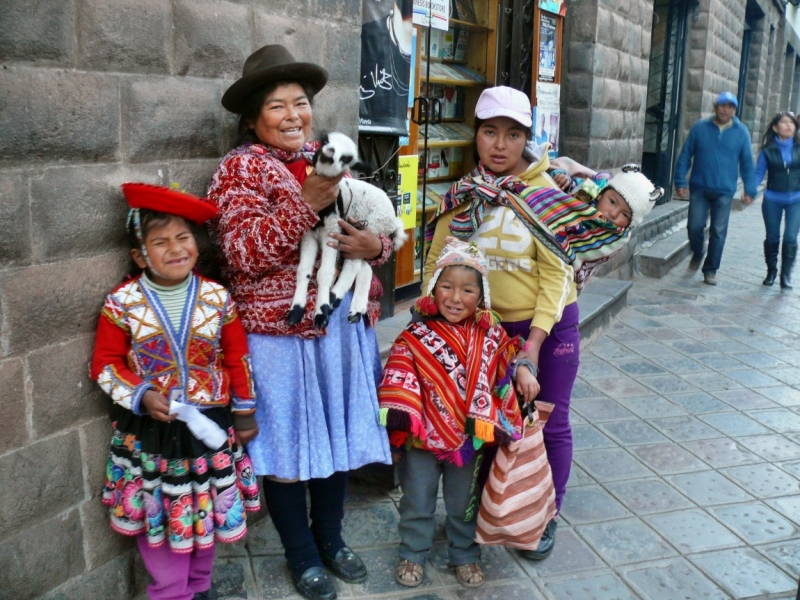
x=316 y=401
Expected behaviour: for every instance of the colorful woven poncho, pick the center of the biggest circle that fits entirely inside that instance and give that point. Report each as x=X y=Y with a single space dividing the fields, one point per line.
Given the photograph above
x=447 y=389
x=569 y=227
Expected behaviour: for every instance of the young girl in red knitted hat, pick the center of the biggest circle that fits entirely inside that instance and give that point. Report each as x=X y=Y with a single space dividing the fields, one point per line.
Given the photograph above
x=172 y=355
x=446 y=391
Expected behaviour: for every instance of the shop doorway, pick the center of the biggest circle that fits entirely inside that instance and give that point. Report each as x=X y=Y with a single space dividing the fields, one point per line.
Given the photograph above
x=664 y=90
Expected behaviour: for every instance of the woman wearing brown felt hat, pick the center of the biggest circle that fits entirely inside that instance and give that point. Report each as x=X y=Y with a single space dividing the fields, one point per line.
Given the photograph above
x=316 y=404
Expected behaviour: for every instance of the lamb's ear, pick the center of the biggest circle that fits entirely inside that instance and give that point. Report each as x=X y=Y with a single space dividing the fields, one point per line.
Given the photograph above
x=362 y=167
x=317 y=154
x=323 y=138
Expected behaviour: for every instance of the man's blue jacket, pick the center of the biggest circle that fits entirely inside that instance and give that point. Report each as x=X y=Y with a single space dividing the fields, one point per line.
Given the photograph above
x=717 y=158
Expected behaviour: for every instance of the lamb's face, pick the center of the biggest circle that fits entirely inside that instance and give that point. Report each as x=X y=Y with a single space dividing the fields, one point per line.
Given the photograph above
x=336 y=154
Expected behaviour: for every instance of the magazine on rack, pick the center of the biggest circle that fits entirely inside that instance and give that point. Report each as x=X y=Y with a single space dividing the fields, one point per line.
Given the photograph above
x=464 y=11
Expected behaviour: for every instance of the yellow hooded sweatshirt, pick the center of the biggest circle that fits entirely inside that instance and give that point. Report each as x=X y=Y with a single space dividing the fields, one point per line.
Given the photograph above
x=526 y=280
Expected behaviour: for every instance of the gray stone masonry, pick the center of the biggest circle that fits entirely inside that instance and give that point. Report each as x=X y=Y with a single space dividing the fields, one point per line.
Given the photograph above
x=94 y=93
x=604 y=82
x=713 y=55
x=713 y=61
x=686 y=474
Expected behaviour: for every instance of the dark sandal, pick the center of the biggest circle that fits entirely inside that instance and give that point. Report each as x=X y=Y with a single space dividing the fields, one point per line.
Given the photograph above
x=408 y=573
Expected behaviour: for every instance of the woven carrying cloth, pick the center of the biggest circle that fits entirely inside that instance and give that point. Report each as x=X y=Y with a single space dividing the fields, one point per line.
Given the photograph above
x=570 y=228
x=519 y=500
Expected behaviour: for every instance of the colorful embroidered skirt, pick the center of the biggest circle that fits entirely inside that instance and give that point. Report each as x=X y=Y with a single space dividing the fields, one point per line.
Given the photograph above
x=162 y=481
x=316 y=401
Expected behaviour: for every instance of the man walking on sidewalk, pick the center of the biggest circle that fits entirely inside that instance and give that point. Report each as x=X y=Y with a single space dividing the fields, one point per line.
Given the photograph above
x=717 y=150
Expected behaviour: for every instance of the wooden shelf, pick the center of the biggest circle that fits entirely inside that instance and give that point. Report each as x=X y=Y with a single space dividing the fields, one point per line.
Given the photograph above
x=445 y=143
x=456 y=24
x=446 y=61
x=459 y=82
x=480 y=58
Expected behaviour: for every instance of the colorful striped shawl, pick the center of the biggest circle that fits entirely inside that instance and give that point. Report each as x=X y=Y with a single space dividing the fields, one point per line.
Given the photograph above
x=444 y=384
x=567 y=226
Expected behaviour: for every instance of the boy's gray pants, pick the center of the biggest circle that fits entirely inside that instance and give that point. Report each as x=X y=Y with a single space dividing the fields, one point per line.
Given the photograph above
x=419 y=472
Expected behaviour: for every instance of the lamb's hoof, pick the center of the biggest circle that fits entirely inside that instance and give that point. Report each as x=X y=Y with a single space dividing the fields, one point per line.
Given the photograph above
x=321 y=319
x=296 y=314
x=335 y=302
x=354 y=317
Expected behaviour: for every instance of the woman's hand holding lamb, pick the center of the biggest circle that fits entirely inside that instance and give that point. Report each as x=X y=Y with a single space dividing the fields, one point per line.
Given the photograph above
x=320 y=192
x=354 y=243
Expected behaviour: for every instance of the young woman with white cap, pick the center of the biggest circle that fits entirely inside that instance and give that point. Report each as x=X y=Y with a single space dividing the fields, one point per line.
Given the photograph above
x=541 y=245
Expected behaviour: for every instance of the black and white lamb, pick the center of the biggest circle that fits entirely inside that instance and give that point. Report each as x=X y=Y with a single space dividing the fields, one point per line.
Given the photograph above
x=358 y=201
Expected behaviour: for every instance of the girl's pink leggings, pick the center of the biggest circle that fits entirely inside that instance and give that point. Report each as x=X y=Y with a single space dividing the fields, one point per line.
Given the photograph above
x=176 y=576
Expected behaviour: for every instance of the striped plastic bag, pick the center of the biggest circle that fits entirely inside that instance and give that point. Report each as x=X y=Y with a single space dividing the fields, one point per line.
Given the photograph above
x=519 y=500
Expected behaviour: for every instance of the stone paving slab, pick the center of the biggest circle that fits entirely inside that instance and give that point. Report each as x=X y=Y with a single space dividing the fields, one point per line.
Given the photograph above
x=686 y=473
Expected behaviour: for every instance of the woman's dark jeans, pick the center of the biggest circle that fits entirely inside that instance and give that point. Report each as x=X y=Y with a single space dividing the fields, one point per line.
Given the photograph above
x=773 y=213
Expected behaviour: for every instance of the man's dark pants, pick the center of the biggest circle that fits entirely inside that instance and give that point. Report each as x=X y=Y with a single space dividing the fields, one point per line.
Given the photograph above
x=701 y=202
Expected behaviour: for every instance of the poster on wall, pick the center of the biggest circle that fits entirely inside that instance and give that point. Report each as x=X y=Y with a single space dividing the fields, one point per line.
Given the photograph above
x=435 y=13
x=547 y=48
x=557 y=7
x=386 y=48
x=546 y=115
x=407 y=167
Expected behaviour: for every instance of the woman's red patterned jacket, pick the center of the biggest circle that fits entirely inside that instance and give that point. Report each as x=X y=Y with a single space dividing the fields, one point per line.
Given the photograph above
x=262 y=219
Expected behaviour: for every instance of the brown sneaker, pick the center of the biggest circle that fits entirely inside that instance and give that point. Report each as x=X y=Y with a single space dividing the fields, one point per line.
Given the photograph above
x=709 y=279
x=695 y=263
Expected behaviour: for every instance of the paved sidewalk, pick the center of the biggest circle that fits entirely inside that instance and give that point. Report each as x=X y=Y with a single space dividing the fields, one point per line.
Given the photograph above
x=687 y=460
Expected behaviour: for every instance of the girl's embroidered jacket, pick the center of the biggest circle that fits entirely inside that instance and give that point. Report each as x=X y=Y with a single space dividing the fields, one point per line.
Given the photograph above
x=137 y=348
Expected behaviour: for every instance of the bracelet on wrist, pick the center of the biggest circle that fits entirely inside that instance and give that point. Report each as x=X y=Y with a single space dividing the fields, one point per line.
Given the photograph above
x=524 y=362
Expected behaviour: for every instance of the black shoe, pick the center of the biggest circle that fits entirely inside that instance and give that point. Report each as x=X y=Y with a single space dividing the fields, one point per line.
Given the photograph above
x=788 y=254
x=546 y=545
x=771 y=258
x=315 y=585
x=202 y=595
x=346 y=566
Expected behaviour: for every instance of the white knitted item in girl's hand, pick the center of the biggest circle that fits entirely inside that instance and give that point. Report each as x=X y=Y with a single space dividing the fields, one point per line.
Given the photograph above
x=203 y=428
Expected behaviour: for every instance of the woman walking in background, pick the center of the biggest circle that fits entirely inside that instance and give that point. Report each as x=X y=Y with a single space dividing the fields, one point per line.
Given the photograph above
x=779 y=159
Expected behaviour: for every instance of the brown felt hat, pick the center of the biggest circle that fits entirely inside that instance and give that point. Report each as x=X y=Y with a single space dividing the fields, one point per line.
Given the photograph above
x=268 y=65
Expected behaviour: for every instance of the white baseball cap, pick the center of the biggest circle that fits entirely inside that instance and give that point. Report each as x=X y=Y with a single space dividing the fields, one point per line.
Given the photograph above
x=502 y=101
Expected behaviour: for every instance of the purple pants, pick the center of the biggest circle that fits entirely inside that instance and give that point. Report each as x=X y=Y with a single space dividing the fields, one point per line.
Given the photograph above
x=559 y=358
x=176 y=576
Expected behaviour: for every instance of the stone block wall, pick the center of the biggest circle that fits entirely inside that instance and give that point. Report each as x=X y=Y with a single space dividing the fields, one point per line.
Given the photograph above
x=94 y=93
x=756 y=88
x=713 y=55
x=604 y=82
